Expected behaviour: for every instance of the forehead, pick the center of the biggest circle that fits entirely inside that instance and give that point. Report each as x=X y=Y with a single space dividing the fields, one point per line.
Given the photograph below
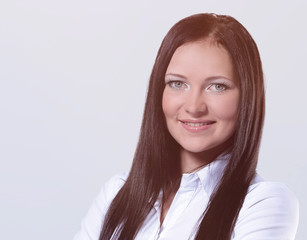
x=201 y=58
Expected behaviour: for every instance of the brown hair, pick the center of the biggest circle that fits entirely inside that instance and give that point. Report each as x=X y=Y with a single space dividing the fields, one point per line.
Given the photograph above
x=156 y=162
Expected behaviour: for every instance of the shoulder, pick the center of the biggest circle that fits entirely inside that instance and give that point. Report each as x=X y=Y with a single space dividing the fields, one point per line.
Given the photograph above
x=270 y=210
x=270 y=192
x=110 y=188
x=92 y=222
x=108 y=192
x=116 y=181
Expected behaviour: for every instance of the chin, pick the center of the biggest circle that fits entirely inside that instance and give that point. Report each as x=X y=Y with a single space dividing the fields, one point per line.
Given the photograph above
x=211 y=148
x=197 y=149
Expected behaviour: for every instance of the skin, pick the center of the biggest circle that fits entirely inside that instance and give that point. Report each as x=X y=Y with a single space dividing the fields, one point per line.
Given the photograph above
x=200 y=87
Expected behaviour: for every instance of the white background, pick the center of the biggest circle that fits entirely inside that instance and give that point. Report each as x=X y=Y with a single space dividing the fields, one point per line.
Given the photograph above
x=73 y=80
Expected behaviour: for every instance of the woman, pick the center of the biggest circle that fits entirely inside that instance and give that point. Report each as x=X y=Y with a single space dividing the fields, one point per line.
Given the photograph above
x=194 y=170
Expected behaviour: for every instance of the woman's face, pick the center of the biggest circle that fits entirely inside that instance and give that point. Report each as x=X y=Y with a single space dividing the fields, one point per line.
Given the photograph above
x=201 y=96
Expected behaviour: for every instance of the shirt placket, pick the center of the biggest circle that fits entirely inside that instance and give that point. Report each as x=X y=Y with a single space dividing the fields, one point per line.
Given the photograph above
x=181 y=201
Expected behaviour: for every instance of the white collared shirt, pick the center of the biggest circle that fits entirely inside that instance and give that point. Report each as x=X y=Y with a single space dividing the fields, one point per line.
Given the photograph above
x=269 y=211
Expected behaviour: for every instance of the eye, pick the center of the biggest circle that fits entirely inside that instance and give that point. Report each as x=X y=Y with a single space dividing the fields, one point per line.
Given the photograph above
x=177 y=85
x=217 y=87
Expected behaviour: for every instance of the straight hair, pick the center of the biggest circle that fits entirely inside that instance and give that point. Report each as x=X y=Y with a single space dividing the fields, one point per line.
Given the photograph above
x=156 y=163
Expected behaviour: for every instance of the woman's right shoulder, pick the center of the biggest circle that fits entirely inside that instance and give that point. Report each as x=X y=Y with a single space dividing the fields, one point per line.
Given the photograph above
x=111 y=187
x=92 y=222
x=117 y=180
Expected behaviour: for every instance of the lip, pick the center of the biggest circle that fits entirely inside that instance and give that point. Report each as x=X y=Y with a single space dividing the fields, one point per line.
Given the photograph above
x=196 y=129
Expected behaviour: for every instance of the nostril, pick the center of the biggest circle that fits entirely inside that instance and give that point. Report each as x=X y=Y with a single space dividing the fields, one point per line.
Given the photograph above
x=196 y=109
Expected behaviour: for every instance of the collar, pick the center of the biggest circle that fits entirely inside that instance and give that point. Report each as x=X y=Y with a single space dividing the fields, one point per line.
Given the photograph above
x=208 y=176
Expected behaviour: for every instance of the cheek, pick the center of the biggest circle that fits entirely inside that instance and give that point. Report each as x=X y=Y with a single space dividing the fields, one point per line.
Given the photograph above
x=226 y=109
x=170 y=104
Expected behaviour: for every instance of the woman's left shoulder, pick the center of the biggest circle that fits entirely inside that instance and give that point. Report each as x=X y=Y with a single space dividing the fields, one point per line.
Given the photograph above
x=270 y=211
x=261 y=190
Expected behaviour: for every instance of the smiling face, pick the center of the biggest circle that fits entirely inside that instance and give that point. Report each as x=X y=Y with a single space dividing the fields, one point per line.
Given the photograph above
x=201 y=97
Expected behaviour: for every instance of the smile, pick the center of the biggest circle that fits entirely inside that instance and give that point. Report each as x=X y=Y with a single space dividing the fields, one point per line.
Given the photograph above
x=197 y=124
x=196 y=127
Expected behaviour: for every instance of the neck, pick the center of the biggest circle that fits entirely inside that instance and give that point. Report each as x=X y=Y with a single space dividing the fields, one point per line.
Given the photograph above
x=191 y=161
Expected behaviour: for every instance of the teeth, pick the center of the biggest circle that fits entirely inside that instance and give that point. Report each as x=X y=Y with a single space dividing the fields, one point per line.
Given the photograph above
x=195 y=124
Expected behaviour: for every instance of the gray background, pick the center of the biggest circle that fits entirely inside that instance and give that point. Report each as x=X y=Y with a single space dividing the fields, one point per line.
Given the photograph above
x=73 y=82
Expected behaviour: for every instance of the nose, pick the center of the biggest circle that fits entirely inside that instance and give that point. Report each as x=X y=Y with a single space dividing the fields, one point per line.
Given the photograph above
x=195 y=103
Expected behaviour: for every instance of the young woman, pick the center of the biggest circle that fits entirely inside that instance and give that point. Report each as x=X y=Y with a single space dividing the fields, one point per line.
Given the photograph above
x=194 y=170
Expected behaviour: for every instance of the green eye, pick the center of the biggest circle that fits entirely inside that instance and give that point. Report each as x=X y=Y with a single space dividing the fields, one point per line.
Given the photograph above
x=219 y=87
x=177 y=84
x=216 y=87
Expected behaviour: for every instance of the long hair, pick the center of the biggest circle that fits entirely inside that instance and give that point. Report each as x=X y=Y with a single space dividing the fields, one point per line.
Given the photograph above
x=156 y=164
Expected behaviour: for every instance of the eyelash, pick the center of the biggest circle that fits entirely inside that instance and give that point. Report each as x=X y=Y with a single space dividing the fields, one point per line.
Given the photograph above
x=225 y=87
x=172 y=85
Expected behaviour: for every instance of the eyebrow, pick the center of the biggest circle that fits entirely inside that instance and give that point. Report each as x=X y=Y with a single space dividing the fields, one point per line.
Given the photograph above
x=209 y=79
x=176 y=75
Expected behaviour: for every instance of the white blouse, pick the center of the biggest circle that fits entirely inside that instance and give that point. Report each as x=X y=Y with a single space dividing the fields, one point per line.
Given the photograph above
x=269 y=212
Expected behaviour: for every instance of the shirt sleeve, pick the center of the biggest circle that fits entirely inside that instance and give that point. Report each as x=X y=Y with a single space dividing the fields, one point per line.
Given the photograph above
x=92 y=222
x=269 y=212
